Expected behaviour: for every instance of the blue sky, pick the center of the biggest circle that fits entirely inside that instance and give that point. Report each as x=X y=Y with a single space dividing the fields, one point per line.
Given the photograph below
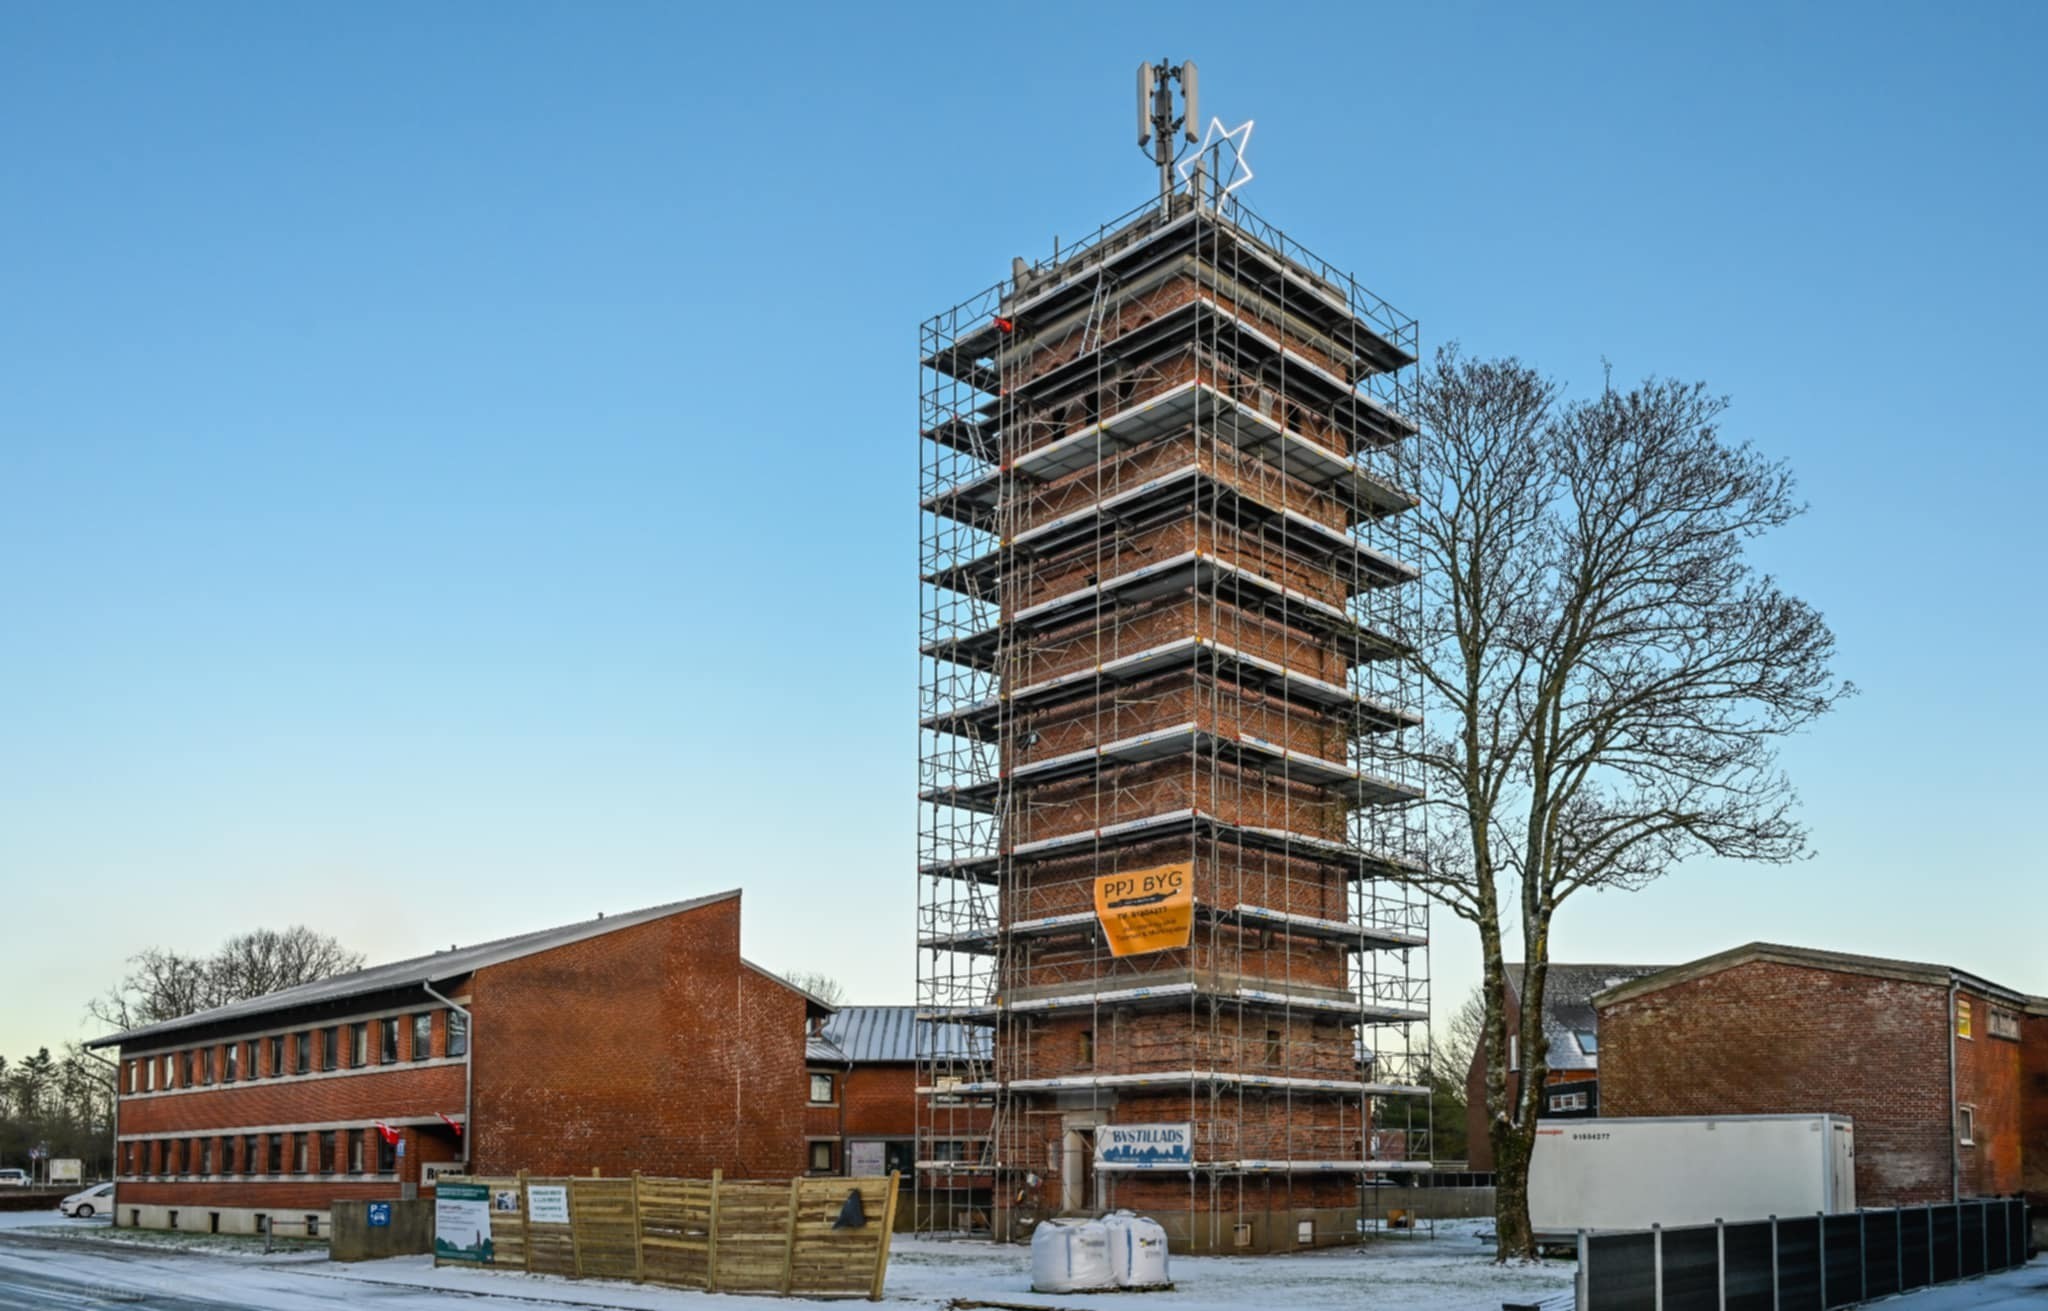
x=458 y=464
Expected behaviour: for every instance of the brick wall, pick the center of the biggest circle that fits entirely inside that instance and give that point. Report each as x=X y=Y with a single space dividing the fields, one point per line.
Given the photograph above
x=651 y=1048
x=1766 y=1038
x=1988 y=1081
x=2034 y=1106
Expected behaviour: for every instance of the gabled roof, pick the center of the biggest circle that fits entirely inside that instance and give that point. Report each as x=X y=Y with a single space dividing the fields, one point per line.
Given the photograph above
x=1809 y=958
x=885 y=1035
x=1568 y=991
x=814 y=1005
x=436 y=967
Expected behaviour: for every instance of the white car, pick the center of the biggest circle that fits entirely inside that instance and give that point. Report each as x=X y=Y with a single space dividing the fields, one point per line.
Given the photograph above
x=85 y=1205
x=13 y=1178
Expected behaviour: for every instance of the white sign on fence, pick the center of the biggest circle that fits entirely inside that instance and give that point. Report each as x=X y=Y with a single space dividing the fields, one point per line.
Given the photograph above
x=67 y=1170
x=1145 y=1146
x=547 y=1204
x=462 y=1224
x=865 y=1156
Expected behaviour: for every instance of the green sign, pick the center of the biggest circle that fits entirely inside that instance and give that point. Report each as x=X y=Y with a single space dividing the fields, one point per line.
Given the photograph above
x=462 y=1223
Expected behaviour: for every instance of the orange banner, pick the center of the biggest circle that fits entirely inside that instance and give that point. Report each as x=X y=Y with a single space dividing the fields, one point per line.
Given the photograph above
x=1146 y=909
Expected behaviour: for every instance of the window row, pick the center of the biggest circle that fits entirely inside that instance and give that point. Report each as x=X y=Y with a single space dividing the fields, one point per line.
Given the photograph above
x=301 y=1053
x=330 y=1151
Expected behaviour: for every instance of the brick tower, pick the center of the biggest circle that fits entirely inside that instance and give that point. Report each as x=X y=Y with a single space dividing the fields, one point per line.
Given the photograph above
x=1163 y=809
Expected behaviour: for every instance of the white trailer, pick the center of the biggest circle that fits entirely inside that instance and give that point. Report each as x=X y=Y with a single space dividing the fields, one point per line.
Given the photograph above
x=1631 y=1173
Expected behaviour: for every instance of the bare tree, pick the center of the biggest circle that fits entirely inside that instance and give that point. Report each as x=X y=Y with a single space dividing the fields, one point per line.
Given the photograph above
x=162 y=984
x=1462 y=1033
x=1616 y=673
x=820 y=985
x=267 y=960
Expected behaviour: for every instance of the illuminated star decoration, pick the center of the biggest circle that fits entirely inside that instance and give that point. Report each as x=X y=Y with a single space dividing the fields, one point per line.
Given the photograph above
x=1214 y=139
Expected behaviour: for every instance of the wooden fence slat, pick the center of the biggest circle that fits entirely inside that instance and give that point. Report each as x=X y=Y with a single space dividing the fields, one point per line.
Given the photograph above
x=715 y=1235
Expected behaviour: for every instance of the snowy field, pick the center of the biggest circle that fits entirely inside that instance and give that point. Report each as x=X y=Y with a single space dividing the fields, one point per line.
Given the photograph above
x=48 y=1263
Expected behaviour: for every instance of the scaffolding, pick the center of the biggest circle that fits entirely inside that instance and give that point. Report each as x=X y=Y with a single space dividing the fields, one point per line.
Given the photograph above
x=1163 y=564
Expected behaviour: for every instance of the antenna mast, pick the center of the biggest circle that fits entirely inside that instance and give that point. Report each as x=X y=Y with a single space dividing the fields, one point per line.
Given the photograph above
x=1156 y=120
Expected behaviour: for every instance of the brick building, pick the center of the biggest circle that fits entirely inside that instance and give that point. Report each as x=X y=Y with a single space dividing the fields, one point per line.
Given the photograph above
x=1572 y=1029
x=631 y=1042
x=1926 y=1059
x=862 y=1117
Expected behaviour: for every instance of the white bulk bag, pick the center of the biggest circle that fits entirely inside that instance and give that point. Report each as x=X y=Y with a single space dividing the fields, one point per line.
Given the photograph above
x=1137 y=1251
x=1070 y=1256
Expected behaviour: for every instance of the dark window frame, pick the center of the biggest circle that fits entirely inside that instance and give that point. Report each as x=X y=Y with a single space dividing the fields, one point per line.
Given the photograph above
x=387 y=1040
x=423 y=1036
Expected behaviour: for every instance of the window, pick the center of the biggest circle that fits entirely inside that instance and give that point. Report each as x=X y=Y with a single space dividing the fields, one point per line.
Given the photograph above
x=168 y=1067
x=330 y=1049
x=149 y=1075
x=276 y=1154
x=387 y=1040
x=1087 y=1048
x=206 y=1065
x=458 y=1034
x=387 y=1155
x=355 y=1151
x=1962 y=1017
x=422 y=1036
x=276 y=1055
x=1966 y=1125
x=821 y=1089
x=821 y=1158
x=301 y=1149
x=231 y=1067
x=1514 y=1052
x=327 y=1141
x=358 y=1045
x=1568 y=1101
x=2002 y=1023
x=206 y=1156
x=127 y=1158
x=252 y=1154
x=1589 y=1041
x=1275 y=1048
x=305 y=1061
x=185 y=1073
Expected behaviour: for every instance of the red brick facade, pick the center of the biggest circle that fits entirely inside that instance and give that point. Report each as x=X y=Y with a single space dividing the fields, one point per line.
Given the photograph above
x=1773 y=1031
x=648 y=1046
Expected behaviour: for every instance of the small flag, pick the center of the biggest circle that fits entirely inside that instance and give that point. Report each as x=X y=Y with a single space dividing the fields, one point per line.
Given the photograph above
x=1005 y=325
x=450 y=1123
x=389 y=1134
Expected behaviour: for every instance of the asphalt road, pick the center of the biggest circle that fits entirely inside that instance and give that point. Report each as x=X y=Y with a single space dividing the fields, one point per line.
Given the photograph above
x=39 y=1273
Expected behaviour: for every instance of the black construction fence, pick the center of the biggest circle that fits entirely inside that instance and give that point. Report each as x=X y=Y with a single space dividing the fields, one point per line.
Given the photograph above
x=1802 y=1263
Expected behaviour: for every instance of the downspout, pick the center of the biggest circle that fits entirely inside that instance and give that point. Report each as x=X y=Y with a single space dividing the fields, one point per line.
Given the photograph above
x=1955 y=1119
x=468 y=1067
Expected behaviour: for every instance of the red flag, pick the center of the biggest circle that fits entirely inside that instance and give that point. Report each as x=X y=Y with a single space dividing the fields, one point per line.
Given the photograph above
x=389 y=1134
x=450 y=1123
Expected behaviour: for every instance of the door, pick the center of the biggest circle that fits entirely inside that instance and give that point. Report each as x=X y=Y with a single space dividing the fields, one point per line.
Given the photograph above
x=1077 y=1171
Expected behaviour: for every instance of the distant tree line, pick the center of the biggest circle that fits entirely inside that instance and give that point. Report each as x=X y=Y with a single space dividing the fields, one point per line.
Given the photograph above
x=65 y=1104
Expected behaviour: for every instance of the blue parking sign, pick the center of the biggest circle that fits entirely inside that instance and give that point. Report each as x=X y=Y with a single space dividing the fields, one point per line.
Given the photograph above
x=380 y=1215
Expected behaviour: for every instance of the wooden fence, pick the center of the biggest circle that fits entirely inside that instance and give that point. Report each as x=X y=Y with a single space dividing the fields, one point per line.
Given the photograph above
x=713 y=1234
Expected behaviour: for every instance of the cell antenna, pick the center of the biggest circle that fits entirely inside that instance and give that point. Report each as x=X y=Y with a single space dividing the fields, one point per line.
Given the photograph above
x=1157 y=120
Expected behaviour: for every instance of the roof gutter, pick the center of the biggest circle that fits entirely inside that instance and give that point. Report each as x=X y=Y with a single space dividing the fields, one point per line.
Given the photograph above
x=468 y=1069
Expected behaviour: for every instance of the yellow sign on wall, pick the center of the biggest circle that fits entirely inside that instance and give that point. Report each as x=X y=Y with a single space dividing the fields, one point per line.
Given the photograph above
x=1146 y=909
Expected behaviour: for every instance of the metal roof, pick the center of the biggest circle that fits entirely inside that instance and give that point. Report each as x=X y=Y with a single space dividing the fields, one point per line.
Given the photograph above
x=440 y=965
x=890 y=1035
x=1568 y=991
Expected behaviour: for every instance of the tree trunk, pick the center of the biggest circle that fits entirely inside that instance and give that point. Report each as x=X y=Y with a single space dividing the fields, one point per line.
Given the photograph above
x=1513 y=1238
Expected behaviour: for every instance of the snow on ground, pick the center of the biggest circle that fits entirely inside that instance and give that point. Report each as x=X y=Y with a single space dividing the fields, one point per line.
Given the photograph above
x=1451 y=1272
